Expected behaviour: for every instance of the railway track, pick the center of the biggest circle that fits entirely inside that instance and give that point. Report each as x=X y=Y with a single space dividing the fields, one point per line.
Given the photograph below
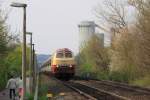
x=126 y=86
x=114 y=91
x=89 y=92
x=82 y=93
x=65 y=83
x=93 y=93
x=106 y=90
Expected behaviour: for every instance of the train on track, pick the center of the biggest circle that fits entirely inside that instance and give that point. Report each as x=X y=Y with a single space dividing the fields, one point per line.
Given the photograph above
x=61 y=64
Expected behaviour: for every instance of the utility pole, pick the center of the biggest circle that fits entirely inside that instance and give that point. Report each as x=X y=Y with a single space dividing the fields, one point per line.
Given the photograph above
x=21 y=5
x=24 y=54
x=33 y=67
x=30 y=64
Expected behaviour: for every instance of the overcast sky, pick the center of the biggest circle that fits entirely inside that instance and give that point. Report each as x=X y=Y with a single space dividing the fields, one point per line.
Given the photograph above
x=53 y=22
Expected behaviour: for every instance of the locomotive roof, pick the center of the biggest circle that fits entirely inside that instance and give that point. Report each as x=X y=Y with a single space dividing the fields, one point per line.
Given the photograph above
x=63 y=50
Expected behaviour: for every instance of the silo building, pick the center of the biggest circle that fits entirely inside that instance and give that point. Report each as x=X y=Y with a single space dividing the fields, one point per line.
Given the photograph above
x=86 y=30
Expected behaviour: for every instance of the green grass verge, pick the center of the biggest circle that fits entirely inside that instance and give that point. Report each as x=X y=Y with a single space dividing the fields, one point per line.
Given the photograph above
x=43 y=88
x=30 y=96
x=144 y=82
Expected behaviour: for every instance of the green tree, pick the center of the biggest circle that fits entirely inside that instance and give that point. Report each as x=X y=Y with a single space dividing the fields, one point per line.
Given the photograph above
x=94 y=58
x=10 y=53
x=3 y=49
x=12 y=64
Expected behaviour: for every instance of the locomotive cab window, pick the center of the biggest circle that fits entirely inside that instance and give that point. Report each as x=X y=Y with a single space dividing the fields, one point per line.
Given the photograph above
x=59 y=55
x=68 y=55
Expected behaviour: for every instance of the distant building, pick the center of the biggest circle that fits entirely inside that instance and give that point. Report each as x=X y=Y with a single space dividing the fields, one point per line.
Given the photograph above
x=86 y=30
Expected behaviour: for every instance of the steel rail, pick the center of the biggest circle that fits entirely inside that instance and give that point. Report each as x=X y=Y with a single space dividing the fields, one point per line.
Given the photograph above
x=126 y=86
x=80 y=92
x=65 y=83
x=97 y=93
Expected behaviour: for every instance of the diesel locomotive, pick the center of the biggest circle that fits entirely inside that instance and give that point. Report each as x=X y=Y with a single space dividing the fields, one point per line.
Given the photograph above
x=61 y=64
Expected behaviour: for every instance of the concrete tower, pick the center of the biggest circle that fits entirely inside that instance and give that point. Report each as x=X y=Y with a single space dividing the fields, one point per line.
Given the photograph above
x=86 y=30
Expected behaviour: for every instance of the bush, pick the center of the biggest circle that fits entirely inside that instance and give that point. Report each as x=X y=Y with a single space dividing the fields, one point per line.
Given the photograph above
x=102 y=76
x=145 y=81
x=30 y=96
x=43 y=98
x=43 y=89
x=119 y=77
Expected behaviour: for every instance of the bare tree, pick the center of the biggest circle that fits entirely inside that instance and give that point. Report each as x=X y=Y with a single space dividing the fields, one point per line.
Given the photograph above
x=113 y=14
x=132 y=48
x=143 y=24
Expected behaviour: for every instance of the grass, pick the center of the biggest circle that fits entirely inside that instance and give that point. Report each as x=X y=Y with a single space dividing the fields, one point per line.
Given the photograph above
x=43 y=88
x=119 y=77
x=30 y=96
x=144 y=82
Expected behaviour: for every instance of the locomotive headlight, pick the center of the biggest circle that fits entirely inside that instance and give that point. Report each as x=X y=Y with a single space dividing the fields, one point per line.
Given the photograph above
x=57 y=66
x=70 y=66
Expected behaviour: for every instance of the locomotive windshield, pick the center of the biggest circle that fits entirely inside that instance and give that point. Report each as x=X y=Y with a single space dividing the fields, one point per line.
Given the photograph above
x=64 y=54
x=59 y=55
x=68 y=55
